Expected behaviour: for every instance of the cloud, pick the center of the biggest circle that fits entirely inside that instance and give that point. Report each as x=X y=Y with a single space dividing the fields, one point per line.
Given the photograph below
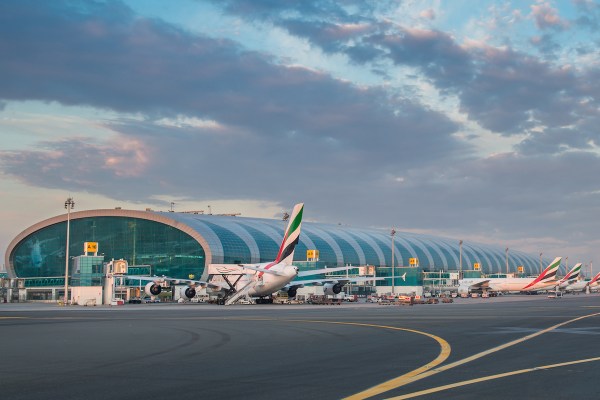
x=137 y=65
x=589 y=14
x=331 y=37
x=546 y=44
x=434 y=52
x=513 y=92
x=201 y=117
x=498 y=196
x=212 y=119
x=80 y=164
x=276 y=11
x=553 y=141
x=503 y=90
x=428 y=14
x=546 y=17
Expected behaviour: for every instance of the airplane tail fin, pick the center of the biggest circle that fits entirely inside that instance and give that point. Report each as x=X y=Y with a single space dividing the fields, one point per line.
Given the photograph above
x=576 y=272
x=594 y=279
x=572 y=274
x=291 y=237
x=548 y=274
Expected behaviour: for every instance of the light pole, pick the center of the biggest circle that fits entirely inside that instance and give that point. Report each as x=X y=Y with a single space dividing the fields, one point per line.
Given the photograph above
x=541 y=262
x=460 y=259
x=69 y=204
x=506 y=260
x=393 y=268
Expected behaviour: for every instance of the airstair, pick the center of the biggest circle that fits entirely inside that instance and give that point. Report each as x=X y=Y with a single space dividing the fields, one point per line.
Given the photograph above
x=243 y=292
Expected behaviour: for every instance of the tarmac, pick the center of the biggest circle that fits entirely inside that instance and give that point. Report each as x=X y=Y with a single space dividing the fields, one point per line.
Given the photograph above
x=521 y=347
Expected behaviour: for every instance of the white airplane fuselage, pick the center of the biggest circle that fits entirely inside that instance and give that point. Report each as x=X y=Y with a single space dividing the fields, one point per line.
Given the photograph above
x=564 y=285
x=508 y=284
x=581 y=286
x=265 y=284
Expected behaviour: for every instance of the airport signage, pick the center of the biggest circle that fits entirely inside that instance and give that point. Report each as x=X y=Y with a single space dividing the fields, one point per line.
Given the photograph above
x=90 y=247
x=312 y=255
x=366 y=270
x=477 y=266
x=521 y=269
x=413 y=262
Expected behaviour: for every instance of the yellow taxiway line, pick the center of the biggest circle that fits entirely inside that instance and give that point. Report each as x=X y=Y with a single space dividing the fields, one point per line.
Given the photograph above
x=396 y=382
x=408 y=378
x=490 y=377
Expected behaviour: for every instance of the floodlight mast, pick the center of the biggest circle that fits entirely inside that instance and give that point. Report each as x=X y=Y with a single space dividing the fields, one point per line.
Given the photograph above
x=69 y=204
x=393 y=233
x=460 y=243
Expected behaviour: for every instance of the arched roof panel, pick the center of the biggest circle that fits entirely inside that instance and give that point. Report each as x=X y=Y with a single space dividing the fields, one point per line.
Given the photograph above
x=227 y=239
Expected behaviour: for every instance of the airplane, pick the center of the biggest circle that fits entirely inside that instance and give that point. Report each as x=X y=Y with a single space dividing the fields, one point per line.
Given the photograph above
x=594 y=282
x=582 y=285
x=545 y=280
x=260 y=280
x=570 y=277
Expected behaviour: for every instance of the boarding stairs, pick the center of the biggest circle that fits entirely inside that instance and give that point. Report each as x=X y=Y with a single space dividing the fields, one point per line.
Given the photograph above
x=243 y=292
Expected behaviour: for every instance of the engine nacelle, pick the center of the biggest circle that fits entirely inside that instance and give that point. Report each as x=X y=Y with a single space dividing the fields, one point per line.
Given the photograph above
x=292 y=292
x=188 y=292
x=152 y=289
x=331 y=288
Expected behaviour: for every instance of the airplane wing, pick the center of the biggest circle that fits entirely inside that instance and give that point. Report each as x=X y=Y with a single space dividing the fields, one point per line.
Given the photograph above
x=259 y=269
x=229 y=268
x=301 y=273
x=323 y=271
x=483 y=284
x=321 y=282
x=175 y=281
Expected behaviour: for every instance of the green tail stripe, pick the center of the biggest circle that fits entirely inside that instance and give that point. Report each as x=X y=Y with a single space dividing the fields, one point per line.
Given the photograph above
x=295 y=223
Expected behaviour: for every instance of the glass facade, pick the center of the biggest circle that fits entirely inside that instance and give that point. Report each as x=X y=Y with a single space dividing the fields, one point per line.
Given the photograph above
x=88 y=271
x=235 y=250
x=158 y=248
x=166 y=249
x=326 y=252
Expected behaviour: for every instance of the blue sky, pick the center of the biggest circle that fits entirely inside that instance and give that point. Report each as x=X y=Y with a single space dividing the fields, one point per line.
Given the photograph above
x=472 y=120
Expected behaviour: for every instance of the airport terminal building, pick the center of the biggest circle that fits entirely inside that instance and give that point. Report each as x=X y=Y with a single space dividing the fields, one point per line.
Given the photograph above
x=182 y=245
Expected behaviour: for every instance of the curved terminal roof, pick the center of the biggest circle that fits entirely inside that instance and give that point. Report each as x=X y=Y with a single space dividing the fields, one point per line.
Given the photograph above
x=340 y=245
x=226 y=239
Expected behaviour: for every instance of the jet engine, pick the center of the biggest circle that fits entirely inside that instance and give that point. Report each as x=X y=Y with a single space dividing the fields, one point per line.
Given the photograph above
x=188 y=292
x=152 y=289
x=332 y=288
x=292 y=292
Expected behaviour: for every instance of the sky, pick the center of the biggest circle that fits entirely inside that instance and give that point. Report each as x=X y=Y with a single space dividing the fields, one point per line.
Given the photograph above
x=474 y=120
